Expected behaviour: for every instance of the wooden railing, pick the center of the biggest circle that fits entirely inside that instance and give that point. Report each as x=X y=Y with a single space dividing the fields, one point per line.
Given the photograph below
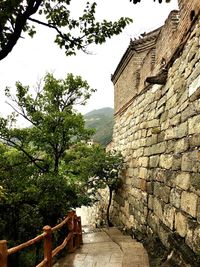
x=71 y=241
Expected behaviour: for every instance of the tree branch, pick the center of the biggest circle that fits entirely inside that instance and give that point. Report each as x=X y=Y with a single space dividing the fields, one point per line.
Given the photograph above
x=20 y=22
x=47 y=25
x=32 y=159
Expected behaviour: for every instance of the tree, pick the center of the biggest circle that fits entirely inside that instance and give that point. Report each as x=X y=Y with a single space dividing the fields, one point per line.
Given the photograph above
x=108 y=166
x=37 y=183
x=55 y=127
x=96 y=168
x=138 y=1
x=17 y=17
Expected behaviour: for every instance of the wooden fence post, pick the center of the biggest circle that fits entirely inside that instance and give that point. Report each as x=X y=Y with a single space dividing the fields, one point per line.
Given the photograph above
x=3 y=253
x=76 y=232
x=80 y=230
x=71 y=230
x=48 y=245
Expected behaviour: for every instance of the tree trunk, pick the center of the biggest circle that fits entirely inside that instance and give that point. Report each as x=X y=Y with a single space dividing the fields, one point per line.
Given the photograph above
x=108 y=208
x=56 y=164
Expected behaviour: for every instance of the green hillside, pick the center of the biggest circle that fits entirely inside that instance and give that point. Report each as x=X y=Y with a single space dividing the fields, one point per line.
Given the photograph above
x=102 y=121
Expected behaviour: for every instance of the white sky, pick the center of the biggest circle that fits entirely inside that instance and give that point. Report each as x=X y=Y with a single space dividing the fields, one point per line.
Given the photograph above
x=32 y=58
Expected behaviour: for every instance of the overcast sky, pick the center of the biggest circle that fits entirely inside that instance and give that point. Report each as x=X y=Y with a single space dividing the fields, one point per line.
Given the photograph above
x=32 y=58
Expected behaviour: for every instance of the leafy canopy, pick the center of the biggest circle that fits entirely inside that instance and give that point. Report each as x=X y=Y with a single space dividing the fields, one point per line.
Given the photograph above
x=55 y=126
x=19 y=16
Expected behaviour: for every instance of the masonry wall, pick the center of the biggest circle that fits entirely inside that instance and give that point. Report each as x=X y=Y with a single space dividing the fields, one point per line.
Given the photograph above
x=128 y=80
x=159 y=136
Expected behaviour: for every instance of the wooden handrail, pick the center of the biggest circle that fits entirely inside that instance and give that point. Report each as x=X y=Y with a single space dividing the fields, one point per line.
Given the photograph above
x=26 y=244
x=72 y=241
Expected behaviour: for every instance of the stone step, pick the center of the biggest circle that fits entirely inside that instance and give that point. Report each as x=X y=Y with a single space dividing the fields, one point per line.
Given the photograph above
x=107 y=247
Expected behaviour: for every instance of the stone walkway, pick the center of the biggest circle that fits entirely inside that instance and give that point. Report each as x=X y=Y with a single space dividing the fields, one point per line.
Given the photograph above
x=106 y=248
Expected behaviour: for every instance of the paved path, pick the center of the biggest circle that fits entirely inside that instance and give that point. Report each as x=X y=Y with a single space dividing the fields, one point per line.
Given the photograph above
x=107 y=248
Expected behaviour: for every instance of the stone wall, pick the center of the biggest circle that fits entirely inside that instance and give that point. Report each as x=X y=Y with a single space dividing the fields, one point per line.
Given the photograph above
x=95 y=216
x=157 y=129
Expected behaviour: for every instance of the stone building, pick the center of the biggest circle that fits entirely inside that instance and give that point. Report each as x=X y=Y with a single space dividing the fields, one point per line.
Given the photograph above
x=157 y=128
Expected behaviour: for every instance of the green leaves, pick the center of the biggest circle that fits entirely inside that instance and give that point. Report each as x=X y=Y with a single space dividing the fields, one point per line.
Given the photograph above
x=159 y=1
x=72 y=34
x=55 y=126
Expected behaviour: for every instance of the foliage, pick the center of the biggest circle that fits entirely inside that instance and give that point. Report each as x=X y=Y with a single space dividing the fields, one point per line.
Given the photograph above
x=37 y=186
x=108 y=173
x=138 y=1
x=55 y=126
x=102 y=121
x=48 y=167
x=72 y=34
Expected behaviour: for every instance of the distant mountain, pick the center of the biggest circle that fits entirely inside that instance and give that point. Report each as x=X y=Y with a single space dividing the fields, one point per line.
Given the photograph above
x=102 y=121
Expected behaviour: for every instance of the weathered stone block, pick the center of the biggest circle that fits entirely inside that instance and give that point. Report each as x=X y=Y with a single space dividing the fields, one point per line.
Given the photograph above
x=156 y=149
x=162 y=191
x=168 y=216
x=164 y=116
x=182 y=180
x=136 y=182
x=183 y=106
x=172 y=112
x=195 y=183
x=181 y=145
x=130 y=172
x=189 y=203
x=154 y=161
x=188 y=112
x=157 y=189
x=194 y=88
x=157 y=207
x=176 y=165
x=150 y=202
x=143 y=185
x=165 y=125
x=170 y=147
x=161 y=101
x=166 y=161
x=150 y=187
x=143 y=161
x=189 y=238
x=163 y=233
x=181 y=224
x=161 y=136
x=138 y=152
x=175 y=197
x=143 y=173
x=170 y=133
x=182 y=130
x=153 y=221
x=175 y=120
x=152 y=123
x=133 y=163
x=171 y=102
x=194 y=140
x=196 y=240
x=190 y=161
x=193 y=125
x=198 y=210
x=159 y=111
x=151 y=140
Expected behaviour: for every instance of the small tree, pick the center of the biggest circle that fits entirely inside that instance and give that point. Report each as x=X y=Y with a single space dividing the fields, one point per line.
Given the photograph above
x=108 y=169
x=97 y=169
